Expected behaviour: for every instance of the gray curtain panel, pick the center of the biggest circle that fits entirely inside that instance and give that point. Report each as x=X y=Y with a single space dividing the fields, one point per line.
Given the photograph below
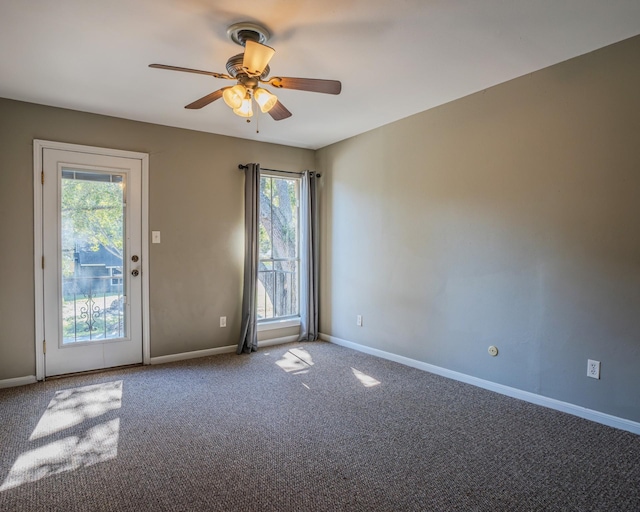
x=249 y=334
x=309 y=252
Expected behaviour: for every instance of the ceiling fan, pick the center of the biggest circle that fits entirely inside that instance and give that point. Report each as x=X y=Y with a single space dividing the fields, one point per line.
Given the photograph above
x=251 y=69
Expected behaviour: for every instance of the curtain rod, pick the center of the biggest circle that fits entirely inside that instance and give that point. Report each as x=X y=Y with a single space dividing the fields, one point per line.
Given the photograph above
x=243 y=167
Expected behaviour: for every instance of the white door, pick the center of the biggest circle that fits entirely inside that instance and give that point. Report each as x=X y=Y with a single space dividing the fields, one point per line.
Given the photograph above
x=92 y=285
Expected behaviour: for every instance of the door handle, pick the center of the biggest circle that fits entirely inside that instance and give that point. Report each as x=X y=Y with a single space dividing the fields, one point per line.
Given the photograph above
x=135 y=272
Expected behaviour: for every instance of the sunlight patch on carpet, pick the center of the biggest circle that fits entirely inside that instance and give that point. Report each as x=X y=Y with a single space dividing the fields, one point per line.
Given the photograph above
x=98 y=444
x=71 y=408
x=365 y=380
x=295 y=360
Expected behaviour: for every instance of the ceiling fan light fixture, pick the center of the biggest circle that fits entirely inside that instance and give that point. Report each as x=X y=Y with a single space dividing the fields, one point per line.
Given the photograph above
x=265 y=99
x=234 y=96
x=244 y=110
x=256 y=57
x=249 y=69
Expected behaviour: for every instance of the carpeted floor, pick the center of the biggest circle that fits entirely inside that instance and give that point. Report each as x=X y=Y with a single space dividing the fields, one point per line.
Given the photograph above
x=301 y=427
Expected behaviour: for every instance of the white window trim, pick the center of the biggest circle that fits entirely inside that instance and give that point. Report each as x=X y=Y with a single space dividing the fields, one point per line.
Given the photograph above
x=270 y=325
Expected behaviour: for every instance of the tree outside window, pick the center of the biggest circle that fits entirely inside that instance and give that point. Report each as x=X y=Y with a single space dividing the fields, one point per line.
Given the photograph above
x=278 y=294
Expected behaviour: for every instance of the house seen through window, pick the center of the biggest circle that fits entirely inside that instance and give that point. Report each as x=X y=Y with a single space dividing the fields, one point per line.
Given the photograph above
x=278 y=271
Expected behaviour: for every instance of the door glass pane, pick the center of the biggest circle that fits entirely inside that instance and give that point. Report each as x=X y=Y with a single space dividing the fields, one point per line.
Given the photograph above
x=92 y=248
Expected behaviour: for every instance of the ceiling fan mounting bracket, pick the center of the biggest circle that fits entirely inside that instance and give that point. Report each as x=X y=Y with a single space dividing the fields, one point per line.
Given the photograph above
x=245 y=31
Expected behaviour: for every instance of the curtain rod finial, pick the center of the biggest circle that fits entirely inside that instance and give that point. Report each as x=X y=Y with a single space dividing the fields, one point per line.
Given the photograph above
x=241 y=167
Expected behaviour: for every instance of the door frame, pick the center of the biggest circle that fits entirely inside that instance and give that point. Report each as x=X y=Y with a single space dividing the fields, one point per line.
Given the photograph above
x=38 y=232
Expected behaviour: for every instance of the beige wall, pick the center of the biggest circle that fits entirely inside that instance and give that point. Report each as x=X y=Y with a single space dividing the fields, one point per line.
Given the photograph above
x=196 y=200
x=508 y=218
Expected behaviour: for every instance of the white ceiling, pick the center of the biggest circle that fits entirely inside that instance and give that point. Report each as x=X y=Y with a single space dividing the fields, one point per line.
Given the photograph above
x=394 y=57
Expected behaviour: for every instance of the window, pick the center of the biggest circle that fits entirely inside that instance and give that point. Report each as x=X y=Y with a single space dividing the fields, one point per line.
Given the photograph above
x=278 y=271
x=116 y=276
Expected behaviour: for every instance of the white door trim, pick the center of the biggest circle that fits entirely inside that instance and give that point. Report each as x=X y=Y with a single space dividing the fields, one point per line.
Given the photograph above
x=38 y=147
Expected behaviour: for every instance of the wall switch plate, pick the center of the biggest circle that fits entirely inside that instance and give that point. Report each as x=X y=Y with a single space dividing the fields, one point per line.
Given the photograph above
x=359 y=320
x=593 y=369
x=223 y=321
x=155 y=237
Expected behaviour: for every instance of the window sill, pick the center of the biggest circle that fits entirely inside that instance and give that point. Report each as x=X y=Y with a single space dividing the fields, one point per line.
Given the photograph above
x=269 y=325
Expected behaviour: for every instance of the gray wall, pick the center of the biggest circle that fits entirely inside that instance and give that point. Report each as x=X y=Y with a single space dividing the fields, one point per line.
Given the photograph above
x=509 y=217
x=195 y=200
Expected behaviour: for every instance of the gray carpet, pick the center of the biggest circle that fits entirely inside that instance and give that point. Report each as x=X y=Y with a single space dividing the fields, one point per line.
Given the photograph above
x=301 y=427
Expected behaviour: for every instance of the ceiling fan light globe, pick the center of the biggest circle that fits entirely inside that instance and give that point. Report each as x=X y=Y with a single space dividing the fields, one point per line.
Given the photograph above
x=256 y=57
x=234 y=96
x=265 y=99
x=244 y=110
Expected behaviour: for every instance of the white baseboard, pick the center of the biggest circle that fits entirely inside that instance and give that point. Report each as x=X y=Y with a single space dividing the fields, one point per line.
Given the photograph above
x=552 y=403
x=18 y=381
x=171 y=358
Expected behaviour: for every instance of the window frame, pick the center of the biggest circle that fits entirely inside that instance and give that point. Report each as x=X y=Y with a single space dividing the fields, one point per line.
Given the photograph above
x=281 y=322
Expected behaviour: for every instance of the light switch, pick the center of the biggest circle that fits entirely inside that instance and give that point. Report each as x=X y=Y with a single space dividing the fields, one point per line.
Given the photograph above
x=155 y=237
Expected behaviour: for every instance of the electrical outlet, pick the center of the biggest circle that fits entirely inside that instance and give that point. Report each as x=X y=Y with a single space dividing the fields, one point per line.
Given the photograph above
x=593 y=369
x=223 y=321
x=359 y=320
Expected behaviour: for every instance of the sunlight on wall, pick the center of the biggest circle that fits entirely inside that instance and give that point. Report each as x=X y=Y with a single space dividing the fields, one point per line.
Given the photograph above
x=364 y=379
x=71 y=408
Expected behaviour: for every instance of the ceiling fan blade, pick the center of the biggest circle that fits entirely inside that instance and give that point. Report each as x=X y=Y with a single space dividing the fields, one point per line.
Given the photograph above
x=279 y=112
x=256 y=57
x=306 y=84
x=205 y=100
x=189 y=70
